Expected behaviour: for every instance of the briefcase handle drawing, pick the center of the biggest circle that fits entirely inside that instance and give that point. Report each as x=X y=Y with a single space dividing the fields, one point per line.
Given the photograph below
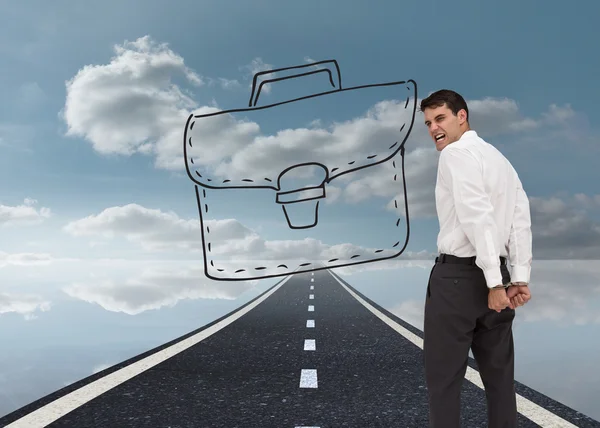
x=334 y=74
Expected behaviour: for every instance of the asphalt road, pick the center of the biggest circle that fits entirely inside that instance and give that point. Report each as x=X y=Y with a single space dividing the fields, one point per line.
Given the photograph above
x=307 y=353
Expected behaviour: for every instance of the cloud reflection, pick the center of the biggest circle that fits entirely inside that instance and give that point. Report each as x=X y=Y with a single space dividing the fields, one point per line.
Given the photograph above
x=152 y=288
x=23 y=304
x=565 y=291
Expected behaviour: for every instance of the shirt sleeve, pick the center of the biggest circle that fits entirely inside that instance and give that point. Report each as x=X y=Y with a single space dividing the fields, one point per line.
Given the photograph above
x=520 y=240
x=463 y=173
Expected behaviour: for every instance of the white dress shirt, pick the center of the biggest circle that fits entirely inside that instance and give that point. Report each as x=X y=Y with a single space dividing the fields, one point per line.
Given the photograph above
x=482 y=209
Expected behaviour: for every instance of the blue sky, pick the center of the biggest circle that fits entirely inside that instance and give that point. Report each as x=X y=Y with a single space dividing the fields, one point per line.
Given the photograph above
x=83 y=83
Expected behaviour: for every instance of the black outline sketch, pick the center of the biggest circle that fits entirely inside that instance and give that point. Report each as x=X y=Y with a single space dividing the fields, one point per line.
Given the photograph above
x=318 y=192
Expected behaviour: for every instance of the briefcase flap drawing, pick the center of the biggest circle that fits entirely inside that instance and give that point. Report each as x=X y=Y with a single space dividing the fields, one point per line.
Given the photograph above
x=210 y=134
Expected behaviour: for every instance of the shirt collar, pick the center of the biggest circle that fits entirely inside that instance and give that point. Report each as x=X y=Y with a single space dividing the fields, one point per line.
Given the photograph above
x=469 y=134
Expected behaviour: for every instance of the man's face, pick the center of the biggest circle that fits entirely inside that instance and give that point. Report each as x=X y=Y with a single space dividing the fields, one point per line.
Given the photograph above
x=444 y=127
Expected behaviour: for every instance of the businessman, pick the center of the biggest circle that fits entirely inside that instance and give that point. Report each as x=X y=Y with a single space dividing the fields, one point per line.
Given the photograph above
x=484 y=219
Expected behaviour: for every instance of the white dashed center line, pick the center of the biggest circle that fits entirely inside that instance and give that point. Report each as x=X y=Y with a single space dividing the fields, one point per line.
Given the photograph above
x=310 y=345
x=308 y=378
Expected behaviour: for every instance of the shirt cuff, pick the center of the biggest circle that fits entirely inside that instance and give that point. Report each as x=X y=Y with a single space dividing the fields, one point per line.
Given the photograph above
x=493 y=277
x=520 y=274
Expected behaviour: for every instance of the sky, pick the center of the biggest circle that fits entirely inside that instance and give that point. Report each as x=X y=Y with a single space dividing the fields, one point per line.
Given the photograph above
x=99 y=223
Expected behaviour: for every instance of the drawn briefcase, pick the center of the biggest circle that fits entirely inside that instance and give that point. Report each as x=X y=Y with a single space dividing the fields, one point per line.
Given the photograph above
x=280 y=170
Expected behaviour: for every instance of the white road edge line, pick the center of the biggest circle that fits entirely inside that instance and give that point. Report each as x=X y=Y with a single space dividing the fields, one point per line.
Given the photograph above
x=527 y=408
x=56 y=409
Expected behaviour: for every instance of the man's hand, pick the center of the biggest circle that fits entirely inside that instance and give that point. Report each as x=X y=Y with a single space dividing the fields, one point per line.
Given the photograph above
x=498 y=299
x=518 y=294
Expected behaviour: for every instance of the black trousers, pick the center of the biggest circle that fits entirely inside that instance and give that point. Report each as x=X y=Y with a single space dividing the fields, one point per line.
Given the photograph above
x=457 y=318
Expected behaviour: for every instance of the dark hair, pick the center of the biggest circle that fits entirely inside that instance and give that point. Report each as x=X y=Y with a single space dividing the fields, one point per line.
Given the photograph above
x=453 y=100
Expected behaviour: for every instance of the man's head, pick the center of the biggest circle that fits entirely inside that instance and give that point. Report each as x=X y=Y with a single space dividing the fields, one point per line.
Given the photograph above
x=446 y=117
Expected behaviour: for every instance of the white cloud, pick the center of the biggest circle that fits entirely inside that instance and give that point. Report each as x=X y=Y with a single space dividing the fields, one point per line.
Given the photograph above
x=155 y=230
x=139 y=286
x=224 y=83
x=23 y=304
x=408 y=259
x=565 y=291
x=557 y=114
x=591 y=203
x=557 y=128
x=563 y=227
x=494 y=116
x=131 y=104
x=24 y=214
x=420 y=172
x=560 y=230
x=552 y=298
x=25 y=259
x=254 y=154
x=255 y=66
x=153 y=288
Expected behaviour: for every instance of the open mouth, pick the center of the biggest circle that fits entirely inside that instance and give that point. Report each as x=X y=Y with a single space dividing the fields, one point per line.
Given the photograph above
x=440 y=137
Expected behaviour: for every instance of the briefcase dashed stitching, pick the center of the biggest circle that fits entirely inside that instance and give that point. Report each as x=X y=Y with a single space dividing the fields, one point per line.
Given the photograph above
x=271 y=178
